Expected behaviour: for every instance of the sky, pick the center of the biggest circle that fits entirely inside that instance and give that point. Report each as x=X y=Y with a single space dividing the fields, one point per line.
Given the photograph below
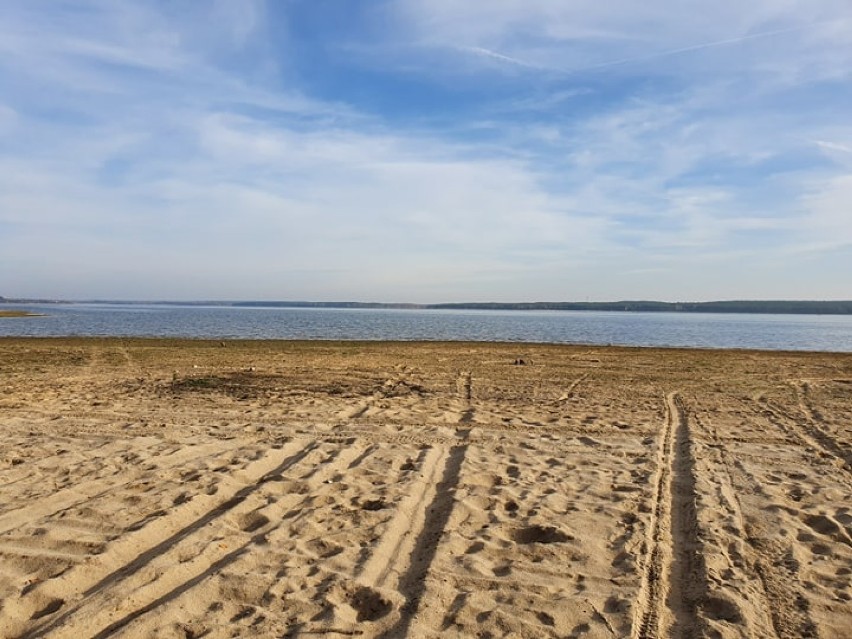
x=426 y=150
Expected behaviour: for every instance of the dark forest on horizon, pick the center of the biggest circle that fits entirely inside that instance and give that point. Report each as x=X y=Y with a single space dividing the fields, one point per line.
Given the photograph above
x=800 y=307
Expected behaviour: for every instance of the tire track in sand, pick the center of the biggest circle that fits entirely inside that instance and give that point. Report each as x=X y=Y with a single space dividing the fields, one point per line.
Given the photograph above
x=401 y=559
x=748 y=564
x=131 y=554
x=815 y=432
x=804 y=432
x=87 y=491
x=217 y=554
x=412 y=583
x=398 y=541
x=773 y=560
x=673 y=579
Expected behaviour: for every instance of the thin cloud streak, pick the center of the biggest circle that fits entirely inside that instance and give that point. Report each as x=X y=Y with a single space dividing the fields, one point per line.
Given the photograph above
x=499 y=56
x=689 y=49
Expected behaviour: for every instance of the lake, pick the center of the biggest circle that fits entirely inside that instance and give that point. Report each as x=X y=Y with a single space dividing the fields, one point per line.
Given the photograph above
x=696 y=330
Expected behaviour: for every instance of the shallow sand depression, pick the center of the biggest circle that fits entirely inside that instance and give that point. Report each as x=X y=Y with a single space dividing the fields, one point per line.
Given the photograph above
x=164 y=488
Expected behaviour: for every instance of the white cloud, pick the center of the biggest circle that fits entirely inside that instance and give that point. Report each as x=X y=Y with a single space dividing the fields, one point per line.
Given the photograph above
x=280 y=200
x=135 y=135
x=834 y=146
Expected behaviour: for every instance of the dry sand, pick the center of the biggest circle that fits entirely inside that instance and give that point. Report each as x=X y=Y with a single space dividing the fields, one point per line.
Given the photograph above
x=156 y=488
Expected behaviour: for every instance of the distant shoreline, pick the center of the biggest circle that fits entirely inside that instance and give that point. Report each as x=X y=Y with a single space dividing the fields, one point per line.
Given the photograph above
x=775 y=307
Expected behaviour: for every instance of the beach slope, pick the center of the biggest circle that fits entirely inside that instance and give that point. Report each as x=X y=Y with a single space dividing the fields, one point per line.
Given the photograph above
x=299 y=489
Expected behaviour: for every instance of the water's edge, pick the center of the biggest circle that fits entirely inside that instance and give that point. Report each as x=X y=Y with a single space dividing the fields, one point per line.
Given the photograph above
x=819 y=333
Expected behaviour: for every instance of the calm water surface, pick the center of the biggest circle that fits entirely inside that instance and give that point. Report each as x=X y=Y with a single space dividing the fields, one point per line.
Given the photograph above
x=699 y=330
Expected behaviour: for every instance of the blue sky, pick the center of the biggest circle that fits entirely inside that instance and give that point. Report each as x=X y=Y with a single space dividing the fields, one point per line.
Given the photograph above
x=426 y=150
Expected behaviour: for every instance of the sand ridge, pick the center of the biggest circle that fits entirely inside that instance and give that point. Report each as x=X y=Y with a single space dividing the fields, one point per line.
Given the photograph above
x=176 y=488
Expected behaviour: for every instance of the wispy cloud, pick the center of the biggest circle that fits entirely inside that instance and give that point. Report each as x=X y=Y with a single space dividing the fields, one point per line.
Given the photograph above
x=494 y=55
x=657 y=55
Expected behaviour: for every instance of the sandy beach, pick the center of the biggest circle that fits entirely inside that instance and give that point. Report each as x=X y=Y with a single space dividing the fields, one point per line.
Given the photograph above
x=165 y=488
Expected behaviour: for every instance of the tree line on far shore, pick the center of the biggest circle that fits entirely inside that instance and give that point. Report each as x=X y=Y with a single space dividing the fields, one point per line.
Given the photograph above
x=801 y=307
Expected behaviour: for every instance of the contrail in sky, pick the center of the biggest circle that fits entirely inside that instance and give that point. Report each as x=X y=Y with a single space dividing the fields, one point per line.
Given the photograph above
x=503 y=58
x=641 y=58
x=694 y=47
